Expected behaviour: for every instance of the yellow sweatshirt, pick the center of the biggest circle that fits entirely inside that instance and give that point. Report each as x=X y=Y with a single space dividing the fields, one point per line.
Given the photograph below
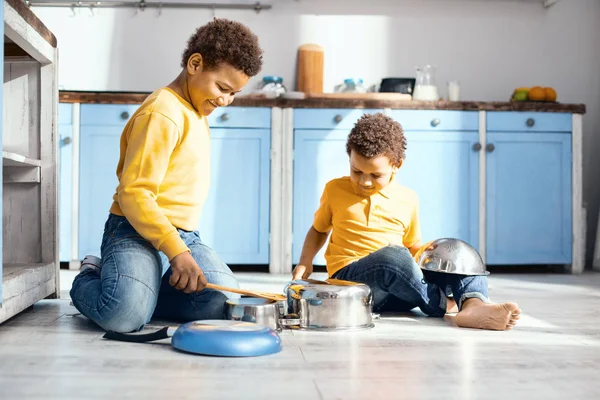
x=163 y=170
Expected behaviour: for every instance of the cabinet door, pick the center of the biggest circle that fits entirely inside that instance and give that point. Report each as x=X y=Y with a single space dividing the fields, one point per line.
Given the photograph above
x=529 y=198
x=443 y=168
x=319 y=156
x=235 y=218
x=99 y=155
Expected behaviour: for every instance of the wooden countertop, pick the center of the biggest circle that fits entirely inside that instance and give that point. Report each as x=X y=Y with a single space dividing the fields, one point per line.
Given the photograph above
x=137 y=98
x=32 y=19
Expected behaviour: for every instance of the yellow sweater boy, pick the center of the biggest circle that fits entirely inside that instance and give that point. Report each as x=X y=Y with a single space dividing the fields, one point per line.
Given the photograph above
x=153 y=261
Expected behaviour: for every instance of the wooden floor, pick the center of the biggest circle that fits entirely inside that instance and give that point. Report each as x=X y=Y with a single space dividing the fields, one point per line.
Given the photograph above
x=49 y=352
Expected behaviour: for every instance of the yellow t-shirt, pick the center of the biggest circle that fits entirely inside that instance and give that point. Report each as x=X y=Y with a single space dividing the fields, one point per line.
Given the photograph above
x=163 y=170
x=364 y=224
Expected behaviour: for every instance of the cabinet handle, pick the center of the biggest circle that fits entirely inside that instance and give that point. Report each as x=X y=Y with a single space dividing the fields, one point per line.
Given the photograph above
x=338 y=118
x=477 y=146
x=435 y=122
x=124 y=115
x=225 y=117
x=530 y=122
x=66 y=141
x=490 y=147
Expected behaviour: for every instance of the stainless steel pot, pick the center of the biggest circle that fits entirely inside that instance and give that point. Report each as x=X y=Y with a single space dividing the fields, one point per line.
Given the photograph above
x=331 y=304
x=260 y=311
x=311 y=305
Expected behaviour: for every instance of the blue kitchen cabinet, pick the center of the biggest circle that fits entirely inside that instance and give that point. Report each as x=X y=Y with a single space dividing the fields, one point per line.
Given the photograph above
x=443 y=169
x=65 y=182
x=235 y=218
x=529 y=203
x=100 y=132
x=319 y=156
x=441 y=166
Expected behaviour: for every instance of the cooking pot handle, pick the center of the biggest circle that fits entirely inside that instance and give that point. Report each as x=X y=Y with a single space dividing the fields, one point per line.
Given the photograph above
x=290 y=321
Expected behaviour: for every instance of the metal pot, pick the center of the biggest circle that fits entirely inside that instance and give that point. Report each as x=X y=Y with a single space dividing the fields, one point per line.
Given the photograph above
x=311 y=305
x=330 y=305
x=260 y=311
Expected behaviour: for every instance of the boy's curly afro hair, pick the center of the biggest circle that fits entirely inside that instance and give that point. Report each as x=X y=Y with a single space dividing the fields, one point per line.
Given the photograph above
x=376 y=135
x=224 y=41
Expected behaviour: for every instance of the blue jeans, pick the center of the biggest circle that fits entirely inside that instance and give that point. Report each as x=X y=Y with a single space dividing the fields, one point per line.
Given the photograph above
x=398 y=284
x=133 y=283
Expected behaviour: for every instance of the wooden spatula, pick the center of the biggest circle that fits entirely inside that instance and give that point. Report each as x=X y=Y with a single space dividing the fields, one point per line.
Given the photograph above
x=251 y=293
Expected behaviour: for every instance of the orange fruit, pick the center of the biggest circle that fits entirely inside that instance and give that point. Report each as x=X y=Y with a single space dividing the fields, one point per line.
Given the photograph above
x=537 y=93
x=550 y=94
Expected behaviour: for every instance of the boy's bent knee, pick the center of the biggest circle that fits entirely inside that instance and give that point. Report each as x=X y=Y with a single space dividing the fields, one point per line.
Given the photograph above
x=129 y=309
x=397 y=258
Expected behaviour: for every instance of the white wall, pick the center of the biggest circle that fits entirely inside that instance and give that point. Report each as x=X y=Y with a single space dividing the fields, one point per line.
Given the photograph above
x=490 y=46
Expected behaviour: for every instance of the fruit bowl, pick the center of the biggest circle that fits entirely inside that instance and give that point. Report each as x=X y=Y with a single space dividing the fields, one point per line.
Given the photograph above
x=535 y=94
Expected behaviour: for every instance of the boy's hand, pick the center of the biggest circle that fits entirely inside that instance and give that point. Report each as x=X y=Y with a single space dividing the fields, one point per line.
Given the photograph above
x=187 y=275
x=302 y=271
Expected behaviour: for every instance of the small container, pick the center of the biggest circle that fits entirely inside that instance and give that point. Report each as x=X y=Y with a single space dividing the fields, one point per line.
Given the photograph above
x=352 y=85
x=272 y=85
x=454 y=91
x=425 y=88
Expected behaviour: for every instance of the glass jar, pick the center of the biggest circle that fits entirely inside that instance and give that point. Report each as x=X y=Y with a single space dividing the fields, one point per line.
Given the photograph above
x=272 y=85
x=425 y=87
x=352 y=85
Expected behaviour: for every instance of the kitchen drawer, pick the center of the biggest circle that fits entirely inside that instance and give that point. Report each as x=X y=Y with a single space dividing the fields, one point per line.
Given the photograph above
x=65 y=113
x=502 y=121
x=329 y=118
x=107 y=114
x=240 y=117
x=436 y=120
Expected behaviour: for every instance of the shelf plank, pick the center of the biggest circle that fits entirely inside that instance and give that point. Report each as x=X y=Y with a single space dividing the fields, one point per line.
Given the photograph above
x=24 y=285
x=21 y=175
x=16 y=160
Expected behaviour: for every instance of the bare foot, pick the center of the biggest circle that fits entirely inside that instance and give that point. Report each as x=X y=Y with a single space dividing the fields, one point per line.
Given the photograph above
x=498 y=317
x=451 y=307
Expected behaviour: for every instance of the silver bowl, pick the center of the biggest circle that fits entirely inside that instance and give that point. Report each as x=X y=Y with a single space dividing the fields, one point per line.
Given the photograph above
x=451 y=256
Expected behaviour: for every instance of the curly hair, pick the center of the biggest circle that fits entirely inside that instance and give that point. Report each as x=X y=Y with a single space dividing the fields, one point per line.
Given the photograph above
x=375 y=135
x=224 y=41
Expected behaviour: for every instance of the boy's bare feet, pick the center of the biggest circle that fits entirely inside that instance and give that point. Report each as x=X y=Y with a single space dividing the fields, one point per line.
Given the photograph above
x=498 y=317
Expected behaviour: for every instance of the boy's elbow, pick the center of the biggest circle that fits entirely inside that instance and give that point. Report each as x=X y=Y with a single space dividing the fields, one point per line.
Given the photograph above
x=317 y=232
x=132 y=195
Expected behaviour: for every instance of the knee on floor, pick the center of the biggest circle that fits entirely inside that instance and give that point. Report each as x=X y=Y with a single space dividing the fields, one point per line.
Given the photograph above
x=130 y=311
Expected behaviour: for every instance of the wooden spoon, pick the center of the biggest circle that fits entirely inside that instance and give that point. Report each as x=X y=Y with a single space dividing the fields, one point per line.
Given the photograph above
x=251 y=293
